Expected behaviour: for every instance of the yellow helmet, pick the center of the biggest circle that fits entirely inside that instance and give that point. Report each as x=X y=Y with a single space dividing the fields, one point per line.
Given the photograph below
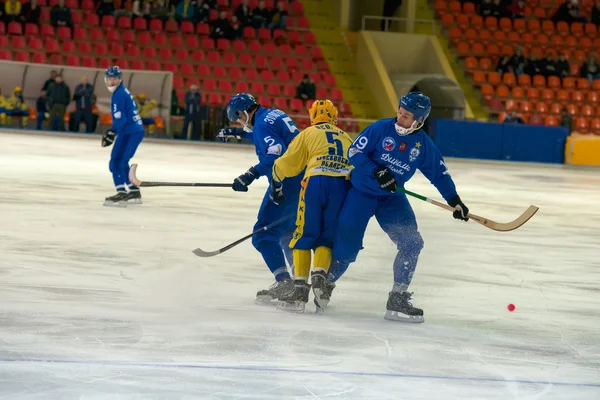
x=323 y=111
x=142 y=96
x=18 y=89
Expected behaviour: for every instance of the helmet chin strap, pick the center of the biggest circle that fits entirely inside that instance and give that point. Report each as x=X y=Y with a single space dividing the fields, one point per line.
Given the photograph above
x=407 y=131
x=246 y=126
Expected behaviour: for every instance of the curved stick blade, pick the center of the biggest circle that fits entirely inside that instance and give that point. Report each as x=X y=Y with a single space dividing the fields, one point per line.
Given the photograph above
x=132 y=175
x=201 y=253
x=508 y=226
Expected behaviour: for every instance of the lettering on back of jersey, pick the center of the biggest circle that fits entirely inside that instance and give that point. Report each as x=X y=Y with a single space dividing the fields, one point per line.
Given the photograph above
x=272 y=116
x=394 y=164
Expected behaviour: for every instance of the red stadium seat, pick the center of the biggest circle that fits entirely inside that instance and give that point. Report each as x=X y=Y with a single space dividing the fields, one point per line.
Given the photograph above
x=140 y=24
x=113 y=36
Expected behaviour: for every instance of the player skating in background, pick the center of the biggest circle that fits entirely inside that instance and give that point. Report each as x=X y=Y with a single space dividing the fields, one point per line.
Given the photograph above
x=322 y=149
x=129 y=132
x=271 y=131
x=386 y=155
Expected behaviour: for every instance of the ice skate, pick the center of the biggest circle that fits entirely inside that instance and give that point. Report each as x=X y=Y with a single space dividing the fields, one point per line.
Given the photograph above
x=322 y=290
x=270 y=295
x=399 y=308
x=134 y=197
x=296 y=299
x=118 y=200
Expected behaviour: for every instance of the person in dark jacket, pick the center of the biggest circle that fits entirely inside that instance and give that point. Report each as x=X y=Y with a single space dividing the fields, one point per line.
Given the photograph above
x=518 y=61
x=41 y=107
x=504 y=65
x=83 y=105
x=260 y=15
x=31 y=12
x=222 y=29
x=49 y=81
x=59 y=97
x=563 y=68
x=192 y=112
x=61 y=15
x=596 y=13
x=244 y=13
x=590 y=68
x=306 y=89
x=513 y=118
x=534 y=66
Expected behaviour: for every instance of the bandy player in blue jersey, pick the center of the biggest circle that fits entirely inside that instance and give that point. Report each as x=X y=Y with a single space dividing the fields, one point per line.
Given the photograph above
x=385 y=156
x=271 y=131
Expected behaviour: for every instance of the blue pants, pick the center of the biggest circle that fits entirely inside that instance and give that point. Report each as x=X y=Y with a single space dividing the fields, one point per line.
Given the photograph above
x=395 y=216
x=272 y=243
x=321 y=199
x=123 y=150
x=193 y=119
x=40 y=120
x=85 y=115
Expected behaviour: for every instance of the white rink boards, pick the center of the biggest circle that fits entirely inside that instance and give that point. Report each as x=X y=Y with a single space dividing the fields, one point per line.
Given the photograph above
x=99 y=302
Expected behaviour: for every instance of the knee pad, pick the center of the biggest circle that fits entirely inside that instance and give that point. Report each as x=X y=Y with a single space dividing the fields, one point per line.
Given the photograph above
x=412 y=243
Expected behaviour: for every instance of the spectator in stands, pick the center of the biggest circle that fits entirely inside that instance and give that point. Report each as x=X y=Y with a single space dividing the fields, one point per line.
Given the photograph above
x=518 y=61
x=513 y=118
x=504 y=65
x=105 y=7
x=202 y=11
x=596 y=13
x=83 y=104
x=31 y=12
x=563 y=68
x=517 y=8
x=486 y=9
x=136 y=10
x=145 y=107
x=176 y=109
x=589 y=68
x=59 y=97
x=61 y=15
x=534 y=66
x=192 y=112
x=566 y=119
x=237 y=28
x=147 y=11
x=549 y=66
x=17 y=107
x=568 y=12
x=306 y=89
x=12 y=11
x=185 y=11
x=221 y=27
x=41 y=107
x=389 y=9
x=500 y=10
x=260 y=15
x=49 y=81
x=160 y=10
x=244 y=13
x=278 y=17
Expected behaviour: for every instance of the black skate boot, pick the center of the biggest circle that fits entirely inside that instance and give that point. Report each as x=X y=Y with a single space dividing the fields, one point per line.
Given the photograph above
x=134 y=197
x=400 y=309
x=322 y=290
x=118 y=200
x=296 y=299
x=272 y=294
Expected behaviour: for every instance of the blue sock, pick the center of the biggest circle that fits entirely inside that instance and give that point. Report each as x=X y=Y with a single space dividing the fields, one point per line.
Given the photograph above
x=120 y=188
x=404 y=269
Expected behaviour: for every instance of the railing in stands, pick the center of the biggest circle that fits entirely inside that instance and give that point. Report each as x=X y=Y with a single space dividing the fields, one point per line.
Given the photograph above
x=394 y=24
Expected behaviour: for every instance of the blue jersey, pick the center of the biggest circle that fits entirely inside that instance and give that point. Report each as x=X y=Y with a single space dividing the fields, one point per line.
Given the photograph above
x=380 y=145
x=124 y=110
x=272 y=132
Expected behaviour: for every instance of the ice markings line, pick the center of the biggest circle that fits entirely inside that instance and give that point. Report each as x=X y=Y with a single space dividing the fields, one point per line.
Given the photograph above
x=297 y=371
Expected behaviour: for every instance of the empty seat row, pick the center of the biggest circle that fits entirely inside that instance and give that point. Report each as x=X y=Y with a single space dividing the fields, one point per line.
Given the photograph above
x=539 y=81
x=547 y=95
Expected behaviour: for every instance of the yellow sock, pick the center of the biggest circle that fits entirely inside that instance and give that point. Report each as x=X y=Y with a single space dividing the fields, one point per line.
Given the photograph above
x=150 y=128
x=3 y=119
x=322 y=258
x=301 y=264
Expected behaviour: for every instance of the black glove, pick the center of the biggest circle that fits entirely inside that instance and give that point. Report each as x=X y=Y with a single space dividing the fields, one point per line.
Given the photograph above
x=227 y=133
x=385 y=178
x=462 y=211
x=108 y=138
x=276 y=193
x=241 y=183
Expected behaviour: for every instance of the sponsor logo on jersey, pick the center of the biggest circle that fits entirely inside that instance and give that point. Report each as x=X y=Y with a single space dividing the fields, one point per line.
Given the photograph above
x=353 y=151
x=395 y=165
x=402 y=147
x=389 y=144
x=414 y=152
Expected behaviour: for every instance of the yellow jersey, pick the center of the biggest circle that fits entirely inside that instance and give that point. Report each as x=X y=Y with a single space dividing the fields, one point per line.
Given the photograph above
x=322 y=149
x=145 y=109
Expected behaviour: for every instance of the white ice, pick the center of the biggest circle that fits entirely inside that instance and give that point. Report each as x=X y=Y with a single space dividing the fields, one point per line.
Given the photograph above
x=109 y=303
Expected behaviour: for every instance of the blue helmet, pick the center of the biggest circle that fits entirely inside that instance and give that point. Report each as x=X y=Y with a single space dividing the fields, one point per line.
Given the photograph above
x=418 y=104
x=112 y=72
x=239 y=102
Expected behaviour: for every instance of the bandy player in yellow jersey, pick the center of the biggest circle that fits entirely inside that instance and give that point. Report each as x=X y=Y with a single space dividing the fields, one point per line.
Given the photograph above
x=321 y=149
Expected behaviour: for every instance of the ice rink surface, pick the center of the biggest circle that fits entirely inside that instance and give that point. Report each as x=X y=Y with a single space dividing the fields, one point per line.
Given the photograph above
x=110 y=303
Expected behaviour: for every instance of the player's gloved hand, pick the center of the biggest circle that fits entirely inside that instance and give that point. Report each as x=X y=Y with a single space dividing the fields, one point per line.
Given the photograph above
x=462 y=211
x=227 y=133
x=108 y=138
x=241 y=183
x=386 y=179
x=276 y=193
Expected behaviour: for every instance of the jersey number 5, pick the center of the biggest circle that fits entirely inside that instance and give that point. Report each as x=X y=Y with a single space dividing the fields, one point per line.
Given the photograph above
x=290 y=124
x=337 y=149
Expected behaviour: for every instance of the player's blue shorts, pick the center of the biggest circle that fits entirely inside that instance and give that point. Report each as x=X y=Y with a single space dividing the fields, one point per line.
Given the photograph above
x=321 y=199
x=148 y=121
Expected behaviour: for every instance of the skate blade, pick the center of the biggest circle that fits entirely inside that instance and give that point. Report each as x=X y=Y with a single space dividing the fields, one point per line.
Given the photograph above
x=295 y=307
x=134 y=201
x=117 y=204
x=320 y=302
x=399 y=317
x=265 y=301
